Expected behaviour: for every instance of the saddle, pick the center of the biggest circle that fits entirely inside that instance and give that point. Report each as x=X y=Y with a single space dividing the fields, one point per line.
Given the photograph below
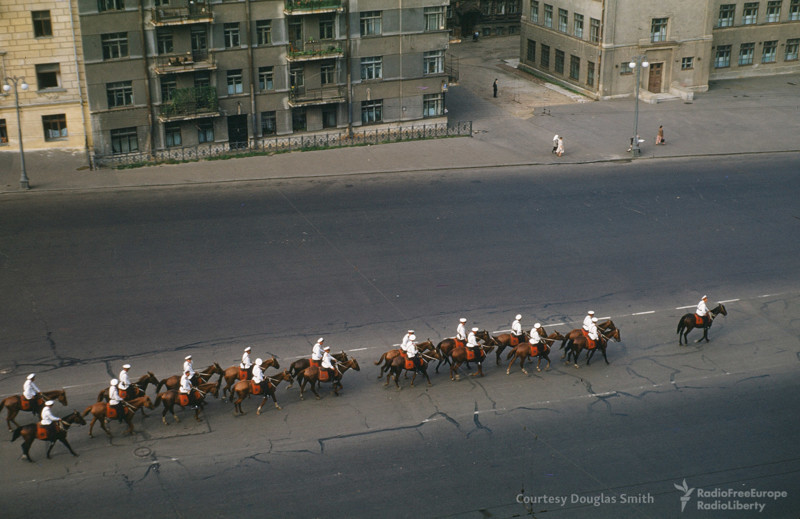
x=255 y=389
x=24 y=403
x=699 y=320
x=475 y=353
x=123 y=393
x=242 y=374
x=534 y=350
x=314 y=363
x=460 y=343
x=41 y=431
x=514 y=340
x=409 y=362
x=183 y=399
x=112 y=412
x=590 y=344
x=585 y=333
x=324 y=376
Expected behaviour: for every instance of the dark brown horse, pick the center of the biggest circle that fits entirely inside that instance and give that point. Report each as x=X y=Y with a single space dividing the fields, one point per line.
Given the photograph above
x=311 y=376
x=135 y=389
x=459 y=356
x=243 y=389
x=99 y=412
x=605 y=326
x=505 y=340
x=202 y=376
x=231 y=376
x=14 y=404
x=575 y=347
x=525 y=350
x=688 y=323
x=170 y=398
x=300 y=365
x=390 y=355
x=28 y=433
x=398 y=364
x=447 y=345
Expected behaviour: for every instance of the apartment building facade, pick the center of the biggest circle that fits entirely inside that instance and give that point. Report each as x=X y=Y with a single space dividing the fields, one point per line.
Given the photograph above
x=40 y=50
x=587 y=45
x=171 y=73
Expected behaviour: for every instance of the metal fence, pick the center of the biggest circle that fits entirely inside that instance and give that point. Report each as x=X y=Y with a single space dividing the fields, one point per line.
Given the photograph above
x=267 y=145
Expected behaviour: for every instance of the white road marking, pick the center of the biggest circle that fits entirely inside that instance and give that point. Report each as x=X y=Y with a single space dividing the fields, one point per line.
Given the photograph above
x=729 y=301
x=683 y=307
x=359 y=349
x=644 y=313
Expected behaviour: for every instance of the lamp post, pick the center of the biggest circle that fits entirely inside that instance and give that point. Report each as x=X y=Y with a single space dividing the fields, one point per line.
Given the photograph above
x=14 y=80
x=638 y=63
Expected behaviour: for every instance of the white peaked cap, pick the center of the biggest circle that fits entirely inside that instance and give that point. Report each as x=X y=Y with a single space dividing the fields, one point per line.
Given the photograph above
x=518 y=316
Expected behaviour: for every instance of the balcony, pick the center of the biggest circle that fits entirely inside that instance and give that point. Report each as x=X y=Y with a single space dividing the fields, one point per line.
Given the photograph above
x=313 y=50
x=302 y=96
x=190 y=103
x=195 y=11
x=312 y=6
x=186 y=62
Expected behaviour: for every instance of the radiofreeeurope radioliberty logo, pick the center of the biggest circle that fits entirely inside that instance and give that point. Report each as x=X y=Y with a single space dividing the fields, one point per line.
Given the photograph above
x=728 y=499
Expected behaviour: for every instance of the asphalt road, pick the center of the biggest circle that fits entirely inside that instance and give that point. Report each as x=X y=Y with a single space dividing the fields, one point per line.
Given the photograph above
x=92 y=280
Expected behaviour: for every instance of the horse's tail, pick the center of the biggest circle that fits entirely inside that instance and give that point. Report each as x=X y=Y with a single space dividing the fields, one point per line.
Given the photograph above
x=100 y=395
x=161 y=383
x=2 y=404
x=380 y=360
x=87 y=410
x=16 y=433
x=681 y=326
x=158 y=398
x=511 y=353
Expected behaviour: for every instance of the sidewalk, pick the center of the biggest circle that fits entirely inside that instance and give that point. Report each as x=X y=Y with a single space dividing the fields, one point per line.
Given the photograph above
x=760 y=115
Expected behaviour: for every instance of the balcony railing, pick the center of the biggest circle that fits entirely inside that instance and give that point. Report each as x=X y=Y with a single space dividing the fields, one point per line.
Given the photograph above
x=302 y=96
x=188 y=103
x=186 y=62
x=195 y=11
x=310 y=50
x=315 y=6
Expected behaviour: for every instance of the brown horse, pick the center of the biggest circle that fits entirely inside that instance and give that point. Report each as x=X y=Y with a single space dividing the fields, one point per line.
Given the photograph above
x=605 y=326
x=505 y=340
x=202 y=376
x=390 y=355
x=14 y=404
x=398 y=364
x=458 y=356
x=447 y=345
x=135 y=390
x=574 y=347
x=300 y=365
x=231 y=376
x=687 y=324
x=311 y=375
x=243 y=389
x=169 y=399
x=100 y=409
x=525 y=350
x=28 y=433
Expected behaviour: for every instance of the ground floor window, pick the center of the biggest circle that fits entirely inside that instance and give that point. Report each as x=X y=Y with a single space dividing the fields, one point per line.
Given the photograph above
x=205 y=131
x=530 y=53
x=299 y=119
x=124 y=140
x=791 y=49
x=372 y=111
x=722 y=57
x=545 y=59
x=432 y=105
x=590 y=73
x=269 y=124
x=329 y=116
x=574 y=67
x=172 y=134
x=3 y=132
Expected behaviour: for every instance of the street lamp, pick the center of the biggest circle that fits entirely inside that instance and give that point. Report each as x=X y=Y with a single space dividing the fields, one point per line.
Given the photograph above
x=638 y=63
x=14 y=80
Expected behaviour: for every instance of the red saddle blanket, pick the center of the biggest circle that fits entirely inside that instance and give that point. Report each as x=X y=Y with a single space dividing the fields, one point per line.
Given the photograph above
x=24 y=403
x=314 y=363
x=460 y=343
x=111 y=411
x=585 y=333
x=242 y=374
x=183 y=398
x=41 y=431
x=409 y=363
x=514 y=340
x=324 y=376
x=474 y=353
x=698 y=320
x=123 y=393
x=590 y=344
x=255 y=389
x=534 y=350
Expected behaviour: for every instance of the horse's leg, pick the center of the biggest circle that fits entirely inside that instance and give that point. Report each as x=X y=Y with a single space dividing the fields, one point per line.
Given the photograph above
x=508 y=369
x=313 y=389
x=604 y=355
x=478 y=373
x=499 y=351
x=12 y=417
x=425 y=372
x=105 y=427
x=589 y=355
x=26 y=449
x=50 y=448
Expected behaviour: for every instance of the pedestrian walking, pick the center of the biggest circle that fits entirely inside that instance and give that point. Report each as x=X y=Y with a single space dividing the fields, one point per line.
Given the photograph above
x=494 y=87
x=660 y=136
x=555 y=143
x=560 y=148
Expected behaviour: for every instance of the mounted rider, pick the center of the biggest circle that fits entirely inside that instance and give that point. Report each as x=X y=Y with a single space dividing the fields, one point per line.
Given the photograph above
x=593 y=334
x=187 y=388
x=461 y=332
x=31 y=392
x=49 y=421
x=411 y=351
x=517 y=335
x=474 y=346
x=245 y=365
x=317 y=352
x=124 y=382
x=537 y=337
x=404 y=342
x=114 y=400
x=188 y=365
x=587 y=322
x=258 y=378
x=703 y=313
x=329 y=363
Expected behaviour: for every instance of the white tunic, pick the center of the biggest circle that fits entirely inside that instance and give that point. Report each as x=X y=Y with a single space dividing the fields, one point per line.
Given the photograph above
x=29 y=389
x=258 y=375
x=535 y=337
x=316 y=352
x=124 y=381
x=587 y=322
x=461 y=332
x=186 y=384
x=328 y=361
x=245 y=364
x=472 y=341
x=411 y=349
x=187 y=366
x=48 y=417
x=404 y=344
x=113 y=395
x=516 y=327
x=702 y=309
x=593 y=332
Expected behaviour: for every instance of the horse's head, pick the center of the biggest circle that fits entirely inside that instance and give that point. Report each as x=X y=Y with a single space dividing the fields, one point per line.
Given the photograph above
x=147 y=403
x=216 y=368
x=74 y=418
x=353 y=363
x=62 y=397
x=720 y=309
x=285 y=375
x=556 y=336
x=341 y=356
x=150 y=378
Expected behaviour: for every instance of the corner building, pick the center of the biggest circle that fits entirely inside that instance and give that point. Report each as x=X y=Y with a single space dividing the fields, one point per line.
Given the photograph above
x=587 y=45
x=169 y=73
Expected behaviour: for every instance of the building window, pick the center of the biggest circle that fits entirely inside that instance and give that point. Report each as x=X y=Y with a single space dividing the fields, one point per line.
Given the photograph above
x=774 y=11
x=199 y=38
x=370 y=23
x=119 y=93
x=3 y=132
x=205 y=131
x=513 y=8
x=299 y=120
x=266 y=78
x=326 y=27
x=235 y=83
x=115 y=45
x=722 y=57
x=590 y=73
x=432 y=105
x=297 y=77
x=124 y=140
x=658 y=29
x=434 y=18
x=329 y=116
x=202 y=79
x=534 y=11
x=530 y=51
x=625 y=69
x=594 y=30
x=746 y=53
x=48 y=76
x=372 y=67
x=548 y=15
x=372 y=111
x=172 y=135
x=263 y=32
x=269 y=125
x=164 y=43
x=169 y=84
x=794 y=10
x=750 y=13
x=574 y=67
x=791 y=49
x=433 y=62
x=559 y=64
x=545 y=61
x=485 y=8
x=562 y=20
x=110 y=5
x=727 y=12
x=55 y=127
x=41 y=24
x=770 y=51
x=327 y=73
x=687 y=63
x=577 y=25
x=231 y=31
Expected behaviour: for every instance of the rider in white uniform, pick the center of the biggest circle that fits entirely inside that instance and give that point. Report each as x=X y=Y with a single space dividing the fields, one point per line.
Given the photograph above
x=593 y=334
x=124 y=381
x=411 y=351
x=246 y=364
x=48 y=418
x=537 y=334
x=461 y=331
x=404 y=342
x=114 y=399
x=702 y=310
x=328 y=362
x=29 y=388
x=188 y=365
x=587 y=321
x=316 y=352
x=516 y=328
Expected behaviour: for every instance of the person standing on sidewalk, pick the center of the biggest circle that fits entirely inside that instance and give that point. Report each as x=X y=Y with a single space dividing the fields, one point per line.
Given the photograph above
x=560 y=148
x=494 y=87
x=660 y=136
x=555 y=143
